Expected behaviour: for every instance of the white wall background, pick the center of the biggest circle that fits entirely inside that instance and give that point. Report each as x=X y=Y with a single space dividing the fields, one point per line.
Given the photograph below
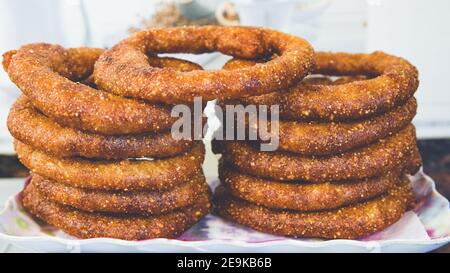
x=420 y=32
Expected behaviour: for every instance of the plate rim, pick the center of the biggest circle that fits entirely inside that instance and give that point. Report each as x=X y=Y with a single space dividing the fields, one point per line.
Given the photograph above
x=226 y=242
x=288 y=241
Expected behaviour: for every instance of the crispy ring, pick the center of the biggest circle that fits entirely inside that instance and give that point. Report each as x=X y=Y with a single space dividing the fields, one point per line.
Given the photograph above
x=312 y=138
x=131 y=202
x=114 y=175
x=350 y=222
x=49 y=76
x=29 y=126
x=374 y=160
x=124 y=69
x=395 y=81
x=92 y=225
x=302 y=196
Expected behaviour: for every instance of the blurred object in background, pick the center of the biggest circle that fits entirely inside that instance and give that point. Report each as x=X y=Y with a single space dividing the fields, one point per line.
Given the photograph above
x=227 y=14
x=420 y=32
x=108 y=26
x=170 y=15
x=190 y=13
x=327 y=24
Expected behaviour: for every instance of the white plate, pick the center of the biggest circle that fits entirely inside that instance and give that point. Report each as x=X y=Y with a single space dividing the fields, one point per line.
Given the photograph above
x=424 y=229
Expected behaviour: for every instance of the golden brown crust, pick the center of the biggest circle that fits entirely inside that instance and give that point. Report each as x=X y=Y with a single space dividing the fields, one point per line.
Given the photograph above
x=114 y=175
x=7 y=56
x=312 y=138
x=92 y=225
x=373 y=160
x=350 y=222
x=49 y=76
x=304 y=196
x=127 y=202
x=395 y=81
x=124 y=70
x=29 y=126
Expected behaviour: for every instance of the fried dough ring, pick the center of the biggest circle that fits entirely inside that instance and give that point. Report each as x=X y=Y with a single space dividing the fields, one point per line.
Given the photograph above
x=374 y=160
x=304 y=196
x=29 y=126
x=130 y=202
x=124 y=70
x=311 y=138
x=114 y=175
x=49 y=76
x=92 y=225
x=395 y=81
x=350 y=222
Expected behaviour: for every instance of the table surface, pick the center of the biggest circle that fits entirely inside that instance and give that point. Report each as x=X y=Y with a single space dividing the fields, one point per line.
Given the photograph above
x=435 y=154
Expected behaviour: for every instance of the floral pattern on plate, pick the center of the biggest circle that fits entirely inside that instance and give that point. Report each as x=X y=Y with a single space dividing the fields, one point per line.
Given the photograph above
x=428 y=223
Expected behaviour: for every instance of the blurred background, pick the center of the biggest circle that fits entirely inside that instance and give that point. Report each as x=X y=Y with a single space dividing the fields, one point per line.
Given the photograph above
x=417 y=30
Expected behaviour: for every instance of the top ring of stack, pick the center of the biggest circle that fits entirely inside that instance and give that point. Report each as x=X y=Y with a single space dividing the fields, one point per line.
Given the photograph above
x=124 y=70
x=58 y=82
x=64 y=114
x=373 y=84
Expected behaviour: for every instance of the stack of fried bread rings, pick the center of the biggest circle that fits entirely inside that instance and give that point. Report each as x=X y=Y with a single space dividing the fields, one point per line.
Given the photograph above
x=345 y=148
x=94 y=126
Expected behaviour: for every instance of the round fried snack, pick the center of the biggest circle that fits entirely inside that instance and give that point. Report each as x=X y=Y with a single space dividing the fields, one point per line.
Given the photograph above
x=349 y=222
x=128 y=174
x=124 y=69
x=312 y=138
x=131 y=202
x=50 y=75
x=29 y=126
x=304 y=196
x=92 y=225
x=392 y=81
x=373 y=160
